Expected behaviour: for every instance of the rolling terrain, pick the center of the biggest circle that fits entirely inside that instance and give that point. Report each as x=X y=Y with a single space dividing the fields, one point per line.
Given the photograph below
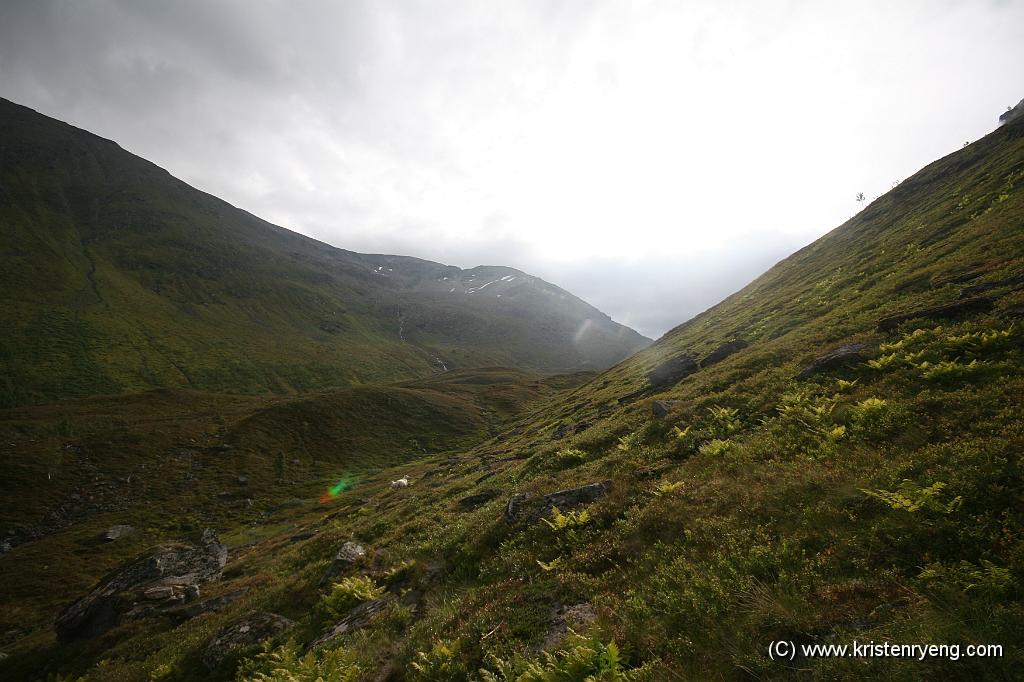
x=830 y=455
x=119 y=277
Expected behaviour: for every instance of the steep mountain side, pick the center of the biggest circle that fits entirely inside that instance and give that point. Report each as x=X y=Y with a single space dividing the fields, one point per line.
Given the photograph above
x=832 y=455
x=117 y=276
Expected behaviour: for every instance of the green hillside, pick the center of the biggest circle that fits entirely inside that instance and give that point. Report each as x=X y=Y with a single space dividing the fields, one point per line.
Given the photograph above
x=119 y=277
x=737 y=483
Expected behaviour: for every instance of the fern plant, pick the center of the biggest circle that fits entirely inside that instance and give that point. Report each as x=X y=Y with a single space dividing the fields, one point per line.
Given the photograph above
x=286 y=663
x=567 y=457
x=986 y=579
x=716 y=447
x=952 y=369
x=723 y=422
x=582 y=659
x=912 y=497
x=350 y=592
x=629 y=442
x=667 y=488
x=560 y=522
x=440 y=664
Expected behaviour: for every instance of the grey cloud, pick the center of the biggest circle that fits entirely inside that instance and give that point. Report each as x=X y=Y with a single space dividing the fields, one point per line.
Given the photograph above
x=453 y=130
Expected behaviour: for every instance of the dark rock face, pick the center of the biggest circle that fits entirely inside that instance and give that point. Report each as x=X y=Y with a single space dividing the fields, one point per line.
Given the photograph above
x=117 y=532
x=723 y=351
x=672 y=371
x=348 y=555
x=169 y=574
x=246 y=633
x=519 y=506
x=957 y=309
x=967 y=292
x=661 y=408
x=357 y=618
x=844 y=355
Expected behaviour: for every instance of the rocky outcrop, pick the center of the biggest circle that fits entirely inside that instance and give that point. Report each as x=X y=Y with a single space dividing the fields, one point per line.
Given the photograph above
x=242 y=635
x=346 y=557
x=967 y=292
x=672 y=371
x=576 y=496
x=181 y=612
x=723 y=351
x=957 y=309
x=844 y=355
x=170 y=574
x=357 y=618
x=522 y=506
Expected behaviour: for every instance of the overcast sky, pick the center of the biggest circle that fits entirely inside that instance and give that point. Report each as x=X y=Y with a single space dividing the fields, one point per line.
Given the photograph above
x=651 y=157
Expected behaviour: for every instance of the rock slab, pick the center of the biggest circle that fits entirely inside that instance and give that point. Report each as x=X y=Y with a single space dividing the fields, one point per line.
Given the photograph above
x=170 y=573
x=520 y=507
x=243 y=634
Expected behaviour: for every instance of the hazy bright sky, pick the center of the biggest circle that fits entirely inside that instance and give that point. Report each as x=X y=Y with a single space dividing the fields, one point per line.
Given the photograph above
x=651 y=157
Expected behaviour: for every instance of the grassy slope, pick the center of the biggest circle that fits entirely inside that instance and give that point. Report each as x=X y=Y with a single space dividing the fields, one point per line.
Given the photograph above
x=168 y=462
x=724 y=530
x=119 y=277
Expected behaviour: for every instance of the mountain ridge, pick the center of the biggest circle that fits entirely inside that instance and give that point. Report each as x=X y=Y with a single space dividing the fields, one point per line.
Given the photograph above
x=127 y=278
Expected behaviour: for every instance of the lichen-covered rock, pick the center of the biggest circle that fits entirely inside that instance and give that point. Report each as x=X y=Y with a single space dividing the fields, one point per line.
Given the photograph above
x=522 y=506
x=348 y=555
x=162 y=574
x=242 y=635
x=572 y=497
x=514 y=507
